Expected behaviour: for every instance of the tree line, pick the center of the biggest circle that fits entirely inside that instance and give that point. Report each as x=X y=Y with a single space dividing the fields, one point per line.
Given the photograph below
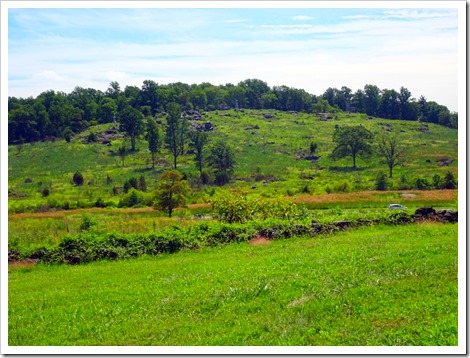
x=60 y=115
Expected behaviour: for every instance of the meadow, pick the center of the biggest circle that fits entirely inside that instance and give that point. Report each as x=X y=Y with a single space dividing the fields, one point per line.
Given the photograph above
x=262 y=282
x=381 y=285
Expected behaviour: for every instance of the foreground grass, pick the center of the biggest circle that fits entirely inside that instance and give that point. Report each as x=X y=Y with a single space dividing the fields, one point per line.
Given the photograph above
x=371 y=286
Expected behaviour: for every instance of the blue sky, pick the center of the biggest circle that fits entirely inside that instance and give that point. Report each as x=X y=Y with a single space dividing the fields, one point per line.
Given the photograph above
x=309 y=48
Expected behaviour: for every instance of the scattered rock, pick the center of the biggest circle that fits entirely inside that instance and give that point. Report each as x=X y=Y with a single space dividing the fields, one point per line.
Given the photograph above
x=407 y=195
x=424 y=212
x=193 y=115
x=342 y=225
x=428 y=213
x=444 y=162
x=206 y=127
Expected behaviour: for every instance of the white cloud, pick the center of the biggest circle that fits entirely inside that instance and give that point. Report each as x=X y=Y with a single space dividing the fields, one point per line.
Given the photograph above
x=302 y=18
x=385 y=52
x=235 y=21
x=49 y=75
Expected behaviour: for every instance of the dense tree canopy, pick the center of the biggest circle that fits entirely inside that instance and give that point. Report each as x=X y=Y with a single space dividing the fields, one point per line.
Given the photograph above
x=57 y=114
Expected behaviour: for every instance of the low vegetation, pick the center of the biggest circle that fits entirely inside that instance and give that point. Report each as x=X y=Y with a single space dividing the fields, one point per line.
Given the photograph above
x=380 y=285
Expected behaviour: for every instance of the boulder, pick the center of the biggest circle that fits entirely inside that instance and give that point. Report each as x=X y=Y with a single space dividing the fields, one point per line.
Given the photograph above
x=424 y=212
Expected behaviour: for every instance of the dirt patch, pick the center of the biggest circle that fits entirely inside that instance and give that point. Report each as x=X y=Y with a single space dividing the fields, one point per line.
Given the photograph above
x=301 y=301
x=260 y=241
x=22 y=263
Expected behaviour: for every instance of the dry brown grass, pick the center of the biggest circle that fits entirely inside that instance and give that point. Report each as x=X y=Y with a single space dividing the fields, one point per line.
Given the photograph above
x=376 y=197
x=356 y=197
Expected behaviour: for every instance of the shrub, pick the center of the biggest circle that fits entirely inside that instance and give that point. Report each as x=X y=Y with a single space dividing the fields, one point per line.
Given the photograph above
x=241 y=208
x=131 y=183
x=234 y=208
x=449 y=181
x=78 y=178
x=133 y=198
x=87 y=222
x=421 y=184
x=381 y=181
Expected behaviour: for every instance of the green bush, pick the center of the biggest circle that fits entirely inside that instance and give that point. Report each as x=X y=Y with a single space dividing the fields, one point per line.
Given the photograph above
x=381 y=181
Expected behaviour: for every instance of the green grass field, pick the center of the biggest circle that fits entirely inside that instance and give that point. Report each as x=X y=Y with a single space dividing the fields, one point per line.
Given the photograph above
x=383 y=285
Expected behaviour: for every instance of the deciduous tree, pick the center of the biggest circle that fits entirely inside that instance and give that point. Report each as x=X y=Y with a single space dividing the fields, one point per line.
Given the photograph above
x=392 y=151
x=352 y=141
x=199 y=140
x=172 y=192
x=222 y=160
x=153 y=137
x=132 y=122
x=177 y=131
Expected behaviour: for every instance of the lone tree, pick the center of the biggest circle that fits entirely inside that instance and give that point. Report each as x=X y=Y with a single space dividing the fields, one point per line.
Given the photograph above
x=132 y=122
x=352 y=141
x=392 y=151
x=199 y=140
x=177 y=131
x=78 y=181
x=153 y=137
x=172 y=191
x=222 y=160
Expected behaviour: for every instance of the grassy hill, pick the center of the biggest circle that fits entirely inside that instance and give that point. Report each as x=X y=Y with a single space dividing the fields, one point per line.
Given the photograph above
x=375 y=285
x=268 y=145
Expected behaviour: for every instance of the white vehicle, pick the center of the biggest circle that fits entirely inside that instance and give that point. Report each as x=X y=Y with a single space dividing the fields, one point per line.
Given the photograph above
x=396 y=207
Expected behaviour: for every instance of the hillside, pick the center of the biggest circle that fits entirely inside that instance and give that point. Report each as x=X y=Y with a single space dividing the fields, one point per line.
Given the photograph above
x=270 y=149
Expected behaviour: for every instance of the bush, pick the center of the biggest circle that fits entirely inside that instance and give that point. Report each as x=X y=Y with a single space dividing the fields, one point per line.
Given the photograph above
x=129 y=184
x=45 y=192
x=449 y=181
x=241 y=208
x=133 y=198
x=87 y=222
x=381 y=181
x=421 y=184
x=78 y=178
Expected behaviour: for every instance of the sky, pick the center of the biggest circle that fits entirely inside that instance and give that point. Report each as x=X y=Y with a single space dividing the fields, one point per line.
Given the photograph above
x=308 y=48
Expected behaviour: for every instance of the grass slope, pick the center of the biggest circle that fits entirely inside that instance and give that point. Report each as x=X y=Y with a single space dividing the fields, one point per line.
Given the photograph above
x=371 y=286
x=265 y=148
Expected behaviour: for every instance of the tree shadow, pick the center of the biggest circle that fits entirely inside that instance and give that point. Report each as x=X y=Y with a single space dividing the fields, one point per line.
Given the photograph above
x=145 y=170
x=346 y=169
